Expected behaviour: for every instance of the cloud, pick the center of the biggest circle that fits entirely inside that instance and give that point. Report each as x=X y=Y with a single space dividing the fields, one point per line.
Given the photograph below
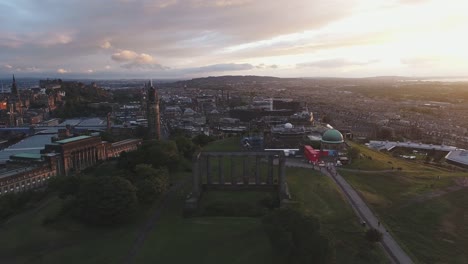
x=224 y=67
x=420 y=61
x=55 y=39
x=140 y=36
x=144 y=58
x=62 y=71
x=124 y=55
x=133 y=60
x=106 y=45
x=89 y=71
x=8 y=66
x=142 y=66
x=335 y=63
x=264 y=66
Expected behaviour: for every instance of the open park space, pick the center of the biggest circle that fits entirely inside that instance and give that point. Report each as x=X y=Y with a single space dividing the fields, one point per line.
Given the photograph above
x=425 y=208
x=172 y=238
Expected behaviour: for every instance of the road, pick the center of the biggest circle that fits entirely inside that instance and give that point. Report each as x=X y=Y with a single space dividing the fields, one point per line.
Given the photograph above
x=391 y=247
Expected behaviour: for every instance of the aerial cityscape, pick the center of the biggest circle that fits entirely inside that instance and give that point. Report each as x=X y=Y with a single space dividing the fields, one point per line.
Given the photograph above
x=233 y=131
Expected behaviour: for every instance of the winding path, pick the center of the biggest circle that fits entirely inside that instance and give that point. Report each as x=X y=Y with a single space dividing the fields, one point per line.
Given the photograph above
x=391 y=247
x=151 y=223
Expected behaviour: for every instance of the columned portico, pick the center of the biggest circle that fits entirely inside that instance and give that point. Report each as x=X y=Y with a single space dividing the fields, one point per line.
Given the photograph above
x=256 y=169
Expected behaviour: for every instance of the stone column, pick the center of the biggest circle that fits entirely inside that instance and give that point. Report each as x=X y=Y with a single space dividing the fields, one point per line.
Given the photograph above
x=282 y=177
x=245 y=176
x=85 y=158
x=220 y=169
x=196 y=190
x=257 y=173
x=270 y=170
x=233 y=171
x=208 y=170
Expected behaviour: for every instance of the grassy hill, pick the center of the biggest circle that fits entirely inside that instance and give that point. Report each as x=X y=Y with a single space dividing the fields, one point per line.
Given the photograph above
x=423 y=206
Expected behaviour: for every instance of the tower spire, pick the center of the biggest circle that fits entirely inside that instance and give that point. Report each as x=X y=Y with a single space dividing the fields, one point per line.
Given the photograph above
x=14 y=88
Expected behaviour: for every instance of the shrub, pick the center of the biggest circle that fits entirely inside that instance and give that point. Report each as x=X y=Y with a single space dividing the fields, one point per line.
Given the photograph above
x=373 y=235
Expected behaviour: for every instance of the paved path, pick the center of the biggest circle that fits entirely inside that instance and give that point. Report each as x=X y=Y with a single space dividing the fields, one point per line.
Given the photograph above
x=151 y=223
x=391 y=247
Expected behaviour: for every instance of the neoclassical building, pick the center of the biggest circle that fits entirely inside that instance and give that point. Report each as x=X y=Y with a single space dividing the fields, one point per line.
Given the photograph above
x=63 y=157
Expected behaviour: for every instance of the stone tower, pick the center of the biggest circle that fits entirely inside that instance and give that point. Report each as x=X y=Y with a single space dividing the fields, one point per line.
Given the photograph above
x=15 y=106
x=152 y=112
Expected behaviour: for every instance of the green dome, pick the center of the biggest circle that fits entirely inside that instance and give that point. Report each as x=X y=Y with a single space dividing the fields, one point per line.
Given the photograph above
x=332 y=136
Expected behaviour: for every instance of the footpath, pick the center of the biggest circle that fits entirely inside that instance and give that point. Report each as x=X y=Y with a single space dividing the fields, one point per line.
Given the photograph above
x=391 y=247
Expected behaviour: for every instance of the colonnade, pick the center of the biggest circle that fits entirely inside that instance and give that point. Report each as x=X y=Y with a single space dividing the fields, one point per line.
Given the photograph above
x=85 y=157
x=238 y=173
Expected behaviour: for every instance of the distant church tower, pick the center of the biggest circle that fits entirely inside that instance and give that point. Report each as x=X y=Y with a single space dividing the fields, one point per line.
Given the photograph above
x=15 y=106
x=152 y=112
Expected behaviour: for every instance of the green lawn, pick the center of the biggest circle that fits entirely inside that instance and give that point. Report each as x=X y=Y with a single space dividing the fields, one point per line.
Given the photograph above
x=433 y=231
x=227 y=144
x=205 y=239
x=25 y=240
x=319 y=196
x=374 y=160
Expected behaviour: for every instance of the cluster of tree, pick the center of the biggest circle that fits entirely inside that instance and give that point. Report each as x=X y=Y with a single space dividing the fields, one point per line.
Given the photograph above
x=73 y=108
x=155 y=153
x=110 y=196
x=13 y=203
x=77 y=99
x=296 y=237
x=187 y=146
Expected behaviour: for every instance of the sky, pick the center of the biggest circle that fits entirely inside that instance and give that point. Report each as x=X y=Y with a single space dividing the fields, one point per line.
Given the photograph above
x=195 y=38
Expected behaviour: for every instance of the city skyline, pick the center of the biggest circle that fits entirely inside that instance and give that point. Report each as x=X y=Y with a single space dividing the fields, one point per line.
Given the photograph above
x=185 y=39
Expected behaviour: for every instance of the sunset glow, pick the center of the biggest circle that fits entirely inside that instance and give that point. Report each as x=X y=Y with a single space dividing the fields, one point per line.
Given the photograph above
x=193 y=38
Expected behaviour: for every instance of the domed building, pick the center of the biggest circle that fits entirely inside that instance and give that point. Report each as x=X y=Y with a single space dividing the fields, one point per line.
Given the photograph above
x=332 y=141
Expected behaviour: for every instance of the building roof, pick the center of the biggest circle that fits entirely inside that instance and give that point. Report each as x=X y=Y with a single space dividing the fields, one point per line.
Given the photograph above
x=33 y=144
x=27 y=156
x=458 y=156
x=389 y=145
x=332 y=136
x=68 y=140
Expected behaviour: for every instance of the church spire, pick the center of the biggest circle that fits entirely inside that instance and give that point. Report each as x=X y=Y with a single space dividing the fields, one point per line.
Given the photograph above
x=14 y=88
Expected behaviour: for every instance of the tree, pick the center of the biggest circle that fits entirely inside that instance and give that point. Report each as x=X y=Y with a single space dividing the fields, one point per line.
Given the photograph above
x=157 y=153
x=185 y=146
x=151 y=183
x=386 y=133
x=202 y=140
x=353 y=153
x=373 y=235
x=106 y=200
x=65 y=186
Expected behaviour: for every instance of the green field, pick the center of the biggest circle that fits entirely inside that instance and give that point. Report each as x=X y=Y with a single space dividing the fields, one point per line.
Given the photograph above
x=426 y=216
x=227 y=144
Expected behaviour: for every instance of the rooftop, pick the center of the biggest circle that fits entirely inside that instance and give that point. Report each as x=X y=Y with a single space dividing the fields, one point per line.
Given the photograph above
x=332 y=136
x=389 y=145
x=73 y=139
x=459 y=156
x=31 y=145
x=27 y=156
